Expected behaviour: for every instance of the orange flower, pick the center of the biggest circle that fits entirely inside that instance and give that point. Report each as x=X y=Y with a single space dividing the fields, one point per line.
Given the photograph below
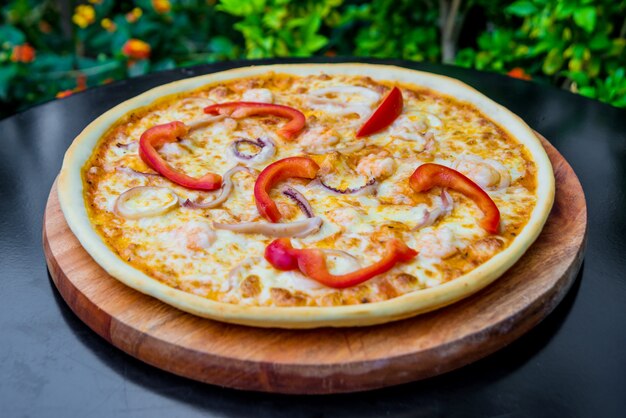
x=81 y=84
x=161 y=6
x=108 y=25
x=518 y=72
x=23 y=53
x=63 y=94
x=137 y=49
x=134 y=15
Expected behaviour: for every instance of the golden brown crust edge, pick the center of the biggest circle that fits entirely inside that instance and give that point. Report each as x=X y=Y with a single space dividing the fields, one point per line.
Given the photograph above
x=70 y=189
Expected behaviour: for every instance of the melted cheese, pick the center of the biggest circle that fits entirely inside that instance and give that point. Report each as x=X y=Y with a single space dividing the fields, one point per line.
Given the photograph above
x=181 y=249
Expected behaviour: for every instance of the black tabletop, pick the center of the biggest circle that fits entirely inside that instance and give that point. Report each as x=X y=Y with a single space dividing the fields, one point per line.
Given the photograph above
x=571 y=364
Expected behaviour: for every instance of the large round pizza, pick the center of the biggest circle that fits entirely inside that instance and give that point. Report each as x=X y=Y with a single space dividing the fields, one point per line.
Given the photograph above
x=302 y=196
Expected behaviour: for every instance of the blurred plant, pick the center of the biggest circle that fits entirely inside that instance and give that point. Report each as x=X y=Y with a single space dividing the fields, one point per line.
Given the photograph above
x=281 y=28
x=53 y=48
x=390 y=29
x=44 y=54
x=578 y=44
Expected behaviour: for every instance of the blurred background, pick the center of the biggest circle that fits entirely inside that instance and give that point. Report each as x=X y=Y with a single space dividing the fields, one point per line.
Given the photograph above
x=50 y=49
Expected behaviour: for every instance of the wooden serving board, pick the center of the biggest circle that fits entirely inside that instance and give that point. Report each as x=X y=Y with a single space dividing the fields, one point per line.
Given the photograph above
x=327 y=360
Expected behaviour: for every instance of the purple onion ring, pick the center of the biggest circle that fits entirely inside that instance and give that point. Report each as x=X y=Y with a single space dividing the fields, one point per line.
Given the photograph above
x=300 y=200
x=227 y=186
x=265 y=145
x=349 y=190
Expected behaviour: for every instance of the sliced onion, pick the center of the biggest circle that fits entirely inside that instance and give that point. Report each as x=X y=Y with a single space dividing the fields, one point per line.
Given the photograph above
x=430 y=216
x=447 y=202
x=296 y=229
x=199 y=101
x=300 y=200
x=366 y=188
x=339 y=108
x=203 y=121
x=227 y=187
x=123 y=208
x=371 y=95
x=345 y=150
x=136 y=173
x=266 y=146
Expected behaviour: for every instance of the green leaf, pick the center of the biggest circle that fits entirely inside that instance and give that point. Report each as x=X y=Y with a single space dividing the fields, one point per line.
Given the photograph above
x=585 y=17
x=553 y=62
x=242 y=8
x=222 y=45
x=7 y=73
x=588 y=91
x=316 y=42
x=521 y=8
x=599 y=42
x=11 y=35
x=274 y=18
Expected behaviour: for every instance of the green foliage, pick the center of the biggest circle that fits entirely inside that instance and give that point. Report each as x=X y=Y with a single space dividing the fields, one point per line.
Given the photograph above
x=393 y=29
x=281 y=28
x=578 y=44
x=47 y=52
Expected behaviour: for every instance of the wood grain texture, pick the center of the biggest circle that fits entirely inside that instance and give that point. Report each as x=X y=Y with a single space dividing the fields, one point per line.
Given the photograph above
x=327 y=360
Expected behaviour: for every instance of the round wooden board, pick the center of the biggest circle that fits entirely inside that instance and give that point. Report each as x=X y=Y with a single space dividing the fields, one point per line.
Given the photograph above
x=327 y=360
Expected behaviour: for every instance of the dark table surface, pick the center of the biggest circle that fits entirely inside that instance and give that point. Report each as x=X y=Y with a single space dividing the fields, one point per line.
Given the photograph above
x=571 y=364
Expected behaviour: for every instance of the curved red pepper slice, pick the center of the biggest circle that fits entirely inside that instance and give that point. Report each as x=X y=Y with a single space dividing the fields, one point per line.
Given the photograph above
x=311 y=262
x=239 y=110
x=430 y=175
x=280 y=170
x=169 y=132
x=384 y=115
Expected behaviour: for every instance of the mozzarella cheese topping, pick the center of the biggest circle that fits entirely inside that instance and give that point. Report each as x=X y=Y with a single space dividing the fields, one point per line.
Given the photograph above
x=180 y=248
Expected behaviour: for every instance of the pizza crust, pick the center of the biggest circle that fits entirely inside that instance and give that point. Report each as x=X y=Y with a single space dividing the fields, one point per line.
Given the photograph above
x=70 y=187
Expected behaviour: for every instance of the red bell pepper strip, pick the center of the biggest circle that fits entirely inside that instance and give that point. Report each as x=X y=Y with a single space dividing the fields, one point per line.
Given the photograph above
x=169 y=132
x=429 y=175
x=240 y=110
x=384 y=115
x=280 y=170
x=311 y=262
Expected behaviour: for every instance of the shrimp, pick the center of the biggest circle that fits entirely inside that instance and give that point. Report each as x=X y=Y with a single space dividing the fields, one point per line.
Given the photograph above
x=318 y=138
x=346 y=218
x=377 y=165
x=258 y=95
x=396 y=190
x=219 y=93
x=488 y=174
x=416 y=127
x=195 y=236
x=436 y=243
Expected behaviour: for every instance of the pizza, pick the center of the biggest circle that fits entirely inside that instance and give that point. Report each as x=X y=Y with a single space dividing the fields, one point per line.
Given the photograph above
x=302 y=196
